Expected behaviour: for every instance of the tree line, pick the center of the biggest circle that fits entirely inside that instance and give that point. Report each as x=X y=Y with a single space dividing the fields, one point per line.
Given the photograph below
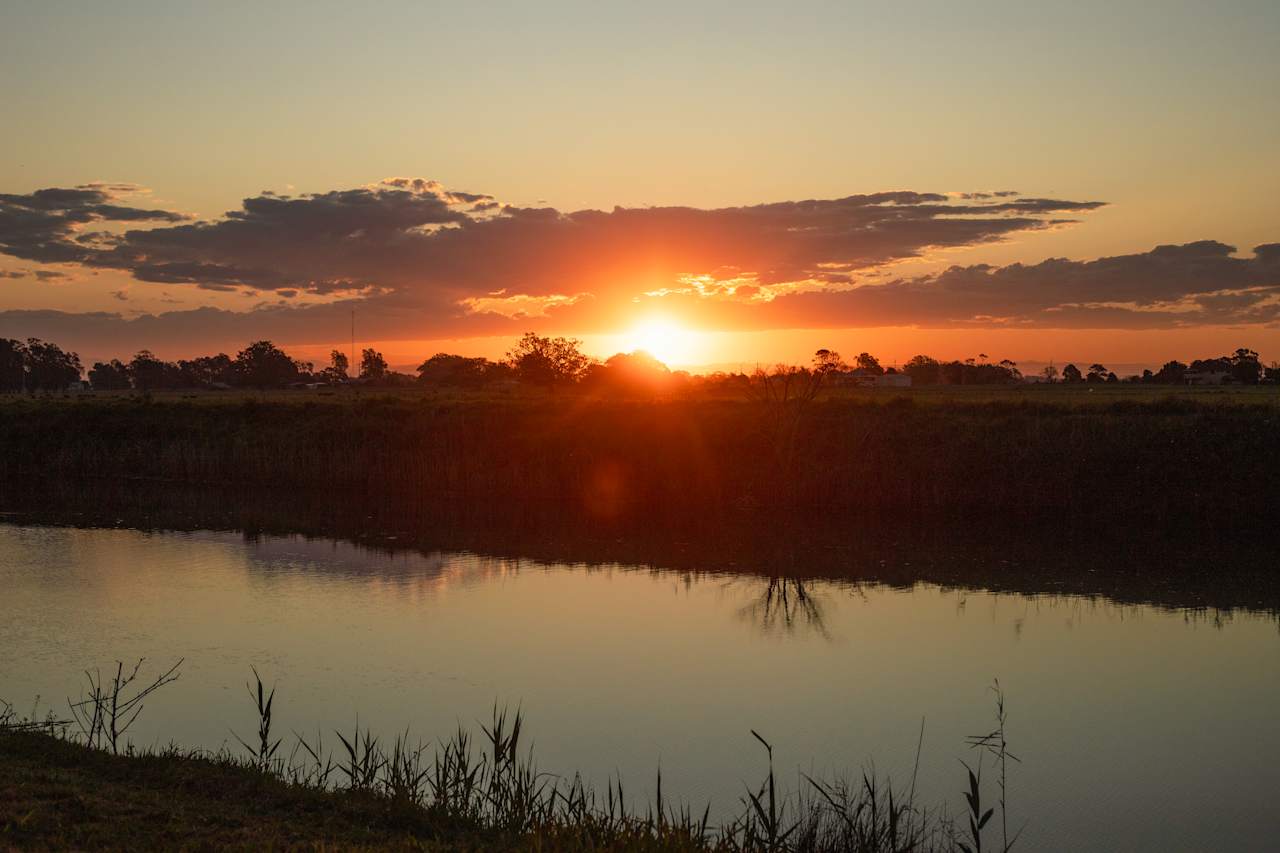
x=36 y=365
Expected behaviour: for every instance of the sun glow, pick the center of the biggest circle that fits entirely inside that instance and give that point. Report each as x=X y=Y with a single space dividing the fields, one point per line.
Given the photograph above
x=669 y=342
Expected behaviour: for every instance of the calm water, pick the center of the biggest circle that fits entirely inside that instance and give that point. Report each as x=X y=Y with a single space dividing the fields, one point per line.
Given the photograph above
x=1139 y=727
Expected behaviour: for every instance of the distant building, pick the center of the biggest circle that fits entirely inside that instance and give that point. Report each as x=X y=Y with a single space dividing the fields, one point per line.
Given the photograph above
x=893 y=380
x=1206 y=377
x=864 y=379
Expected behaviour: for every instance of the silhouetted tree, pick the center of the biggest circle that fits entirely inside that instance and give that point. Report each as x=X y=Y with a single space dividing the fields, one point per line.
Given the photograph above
x=460 y=371
x=207 y=371
x=955 y=372
x=1245 y=367
x=152 y=374
x=629 y=373
x=923 y=370
x=868 y=363
x=828 y=361
x=264 y=365
x=1050 y=373
x=1071 y=373
x=13 y=372
x=547 y=361
x=336 y=372
x=48 y=368
x=1173 y=373
x=1097 y=373
x=372 y=365
x=109 y=376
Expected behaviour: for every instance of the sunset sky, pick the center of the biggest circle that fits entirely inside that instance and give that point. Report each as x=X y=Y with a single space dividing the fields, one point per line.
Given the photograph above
x=724 y=183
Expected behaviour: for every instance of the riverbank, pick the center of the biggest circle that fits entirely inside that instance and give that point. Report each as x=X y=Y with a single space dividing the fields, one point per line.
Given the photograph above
x=59 y=790
x=1143 y=456
x=57 y=795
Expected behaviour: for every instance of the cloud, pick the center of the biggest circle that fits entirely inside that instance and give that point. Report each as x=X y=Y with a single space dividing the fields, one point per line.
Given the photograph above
x=46 y=225
x=41 y=275
x=418 y=260
x=1195 y=284
x=413 y=236
x=985 y=195
x=1170 y=287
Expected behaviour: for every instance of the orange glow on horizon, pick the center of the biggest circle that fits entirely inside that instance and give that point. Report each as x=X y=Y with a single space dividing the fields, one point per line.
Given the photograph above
x=666 y=340
x=701 y=350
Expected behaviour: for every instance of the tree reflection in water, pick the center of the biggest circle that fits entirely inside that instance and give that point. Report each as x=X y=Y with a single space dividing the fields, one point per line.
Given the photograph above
x=785 y=604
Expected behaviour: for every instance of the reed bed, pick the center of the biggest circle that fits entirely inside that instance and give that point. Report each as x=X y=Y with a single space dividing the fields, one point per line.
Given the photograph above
x=1142 y=456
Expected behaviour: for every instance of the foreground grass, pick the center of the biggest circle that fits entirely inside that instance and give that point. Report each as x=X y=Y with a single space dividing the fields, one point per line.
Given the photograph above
x=58 y=794
x=55 y=794
x=79 y=784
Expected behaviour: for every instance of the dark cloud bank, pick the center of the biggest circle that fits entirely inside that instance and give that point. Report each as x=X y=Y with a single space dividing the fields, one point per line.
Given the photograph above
x=412 y=256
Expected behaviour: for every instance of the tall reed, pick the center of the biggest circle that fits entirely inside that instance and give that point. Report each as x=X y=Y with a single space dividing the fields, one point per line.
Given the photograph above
x=704 y=456
x=499 y=790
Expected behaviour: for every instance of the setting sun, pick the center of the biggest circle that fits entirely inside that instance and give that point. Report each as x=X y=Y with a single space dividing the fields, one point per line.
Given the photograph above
x=669 y=342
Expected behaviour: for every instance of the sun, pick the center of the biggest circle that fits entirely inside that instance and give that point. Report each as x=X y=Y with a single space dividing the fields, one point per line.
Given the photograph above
x=665 y=340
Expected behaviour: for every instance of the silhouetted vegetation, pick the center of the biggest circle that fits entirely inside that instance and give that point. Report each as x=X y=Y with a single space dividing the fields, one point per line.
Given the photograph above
x=36 y=366
x=557 y=363
x=454 y=793
x=455 y=371
x=547 y=361
x=786 y=438
x=924 y=370
x=633 y=374
x=780 y=448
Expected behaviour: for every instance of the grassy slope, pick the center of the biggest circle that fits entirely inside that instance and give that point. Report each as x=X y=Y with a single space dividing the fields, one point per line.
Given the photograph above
x=57 y=795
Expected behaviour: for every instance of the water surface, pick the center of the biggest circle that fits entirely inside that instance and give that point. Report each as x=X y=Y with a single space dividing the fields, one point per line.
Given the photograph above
x=1139 y=725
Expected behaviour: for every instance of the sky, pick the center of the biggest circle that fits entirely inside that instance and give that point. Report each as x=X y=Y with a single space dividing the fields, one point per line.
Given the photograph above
x=724 y=183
